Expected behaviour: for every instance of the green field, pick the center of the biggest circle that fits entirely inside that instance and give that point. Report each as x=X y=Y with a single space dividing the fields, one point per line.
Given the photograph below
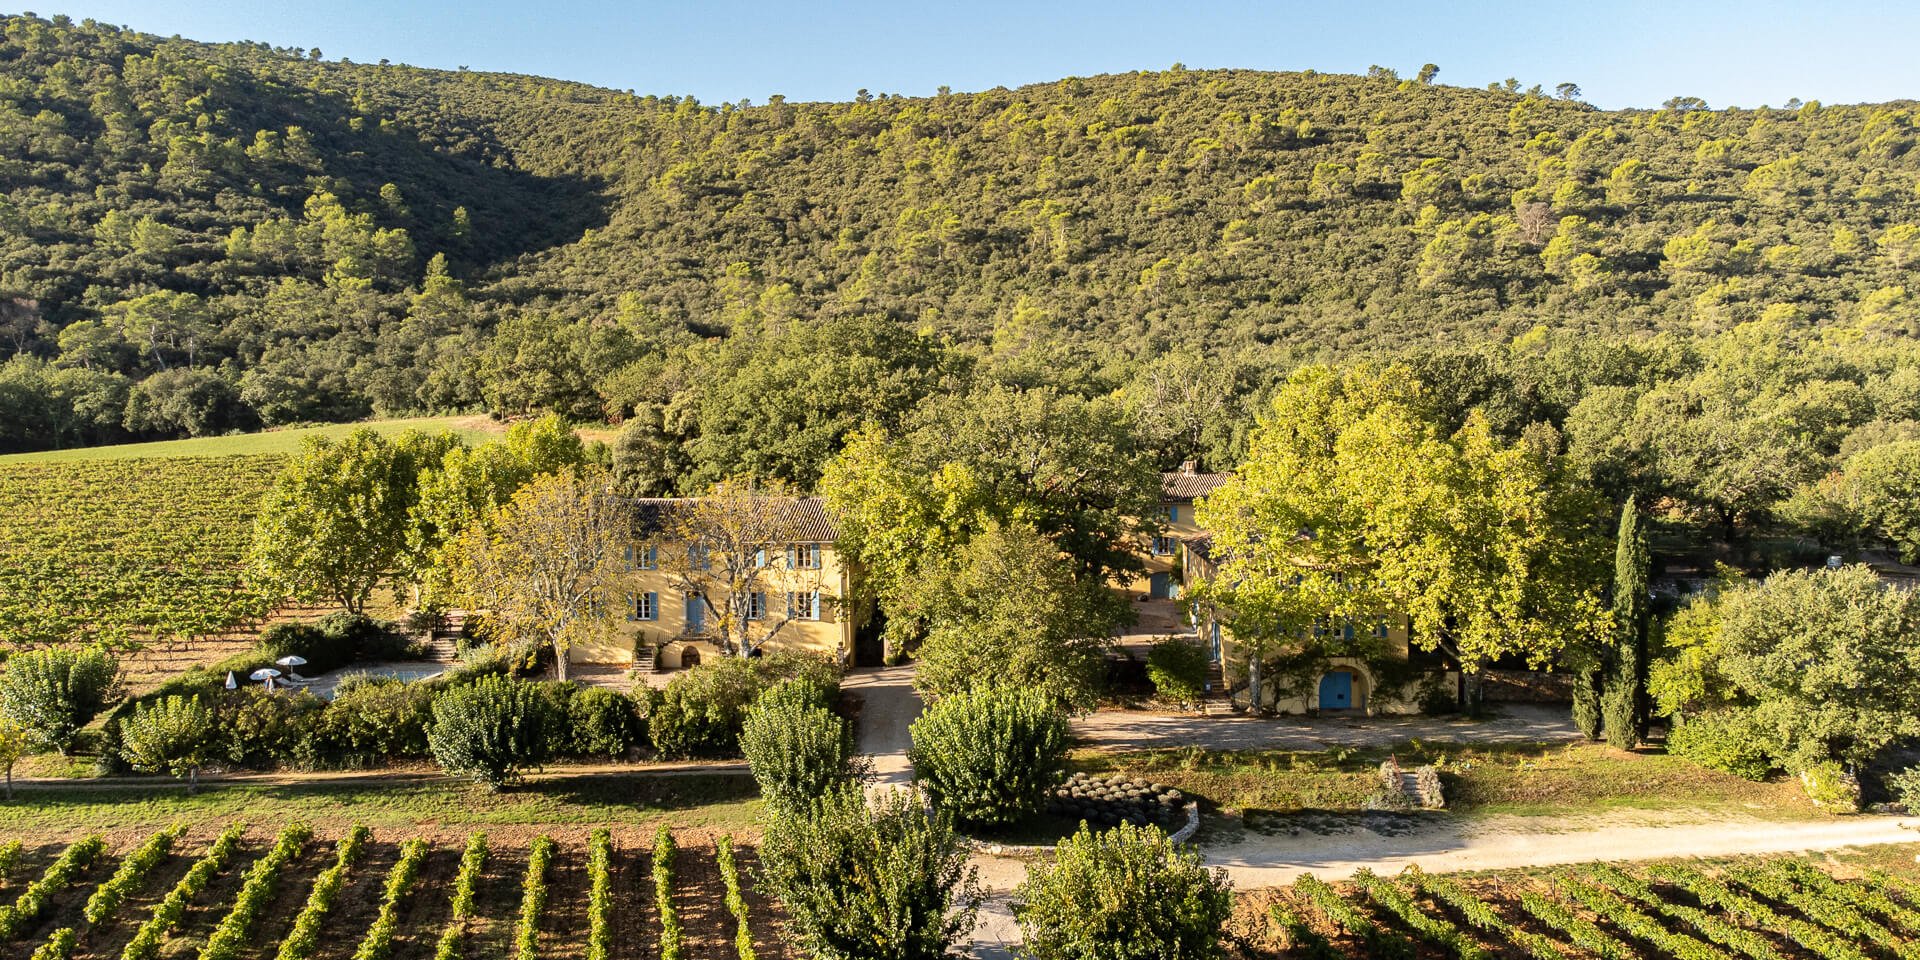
x=266 y=443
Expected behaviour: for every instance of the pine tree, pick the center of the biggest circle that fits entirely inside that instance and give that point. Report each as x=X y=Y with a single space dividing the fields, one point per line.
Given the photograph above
x=1623 y=707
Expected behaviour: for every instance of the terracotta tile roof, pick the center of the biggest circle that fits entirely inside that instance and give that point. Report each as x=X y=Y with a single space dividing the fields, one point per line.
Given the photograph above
x=807 y=518
x=1181 y=485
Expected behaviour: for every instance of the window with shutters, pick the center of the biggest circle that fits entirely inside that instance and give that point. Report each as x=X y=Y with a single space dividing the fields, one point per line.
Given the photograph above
x=643 y=606
x=803 y=604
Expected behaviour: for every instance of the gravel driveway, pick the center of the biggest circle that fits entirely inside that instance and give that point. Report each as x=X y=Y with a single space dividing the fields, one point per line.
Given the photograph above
x=888 y=704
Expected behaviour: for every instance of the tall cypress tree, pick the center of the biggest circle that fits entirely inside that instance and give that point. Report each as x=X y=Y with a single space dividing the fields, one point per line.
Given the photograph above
x=1623 y=716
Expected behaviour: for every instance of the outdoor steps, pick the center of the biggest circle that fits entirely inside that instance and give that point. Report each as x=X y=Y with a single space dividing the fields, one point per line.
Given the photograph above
x=1410 y=786
x=441 y=649
x=1216 y=683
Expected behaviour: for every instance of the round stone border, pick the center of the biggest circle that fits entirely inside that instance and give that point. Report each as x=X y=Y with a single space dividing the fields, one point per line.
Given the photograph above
x=1181 y=835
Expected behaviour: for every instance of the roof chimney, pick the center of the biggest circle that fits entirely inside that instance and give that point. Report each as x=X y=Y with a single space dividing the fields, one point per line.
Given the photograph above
x=1187 y=467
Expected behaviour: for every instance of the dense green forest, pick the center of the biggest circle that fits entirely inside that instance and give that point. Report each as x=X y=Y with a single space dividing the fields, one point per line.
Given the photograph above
x=1710 y=307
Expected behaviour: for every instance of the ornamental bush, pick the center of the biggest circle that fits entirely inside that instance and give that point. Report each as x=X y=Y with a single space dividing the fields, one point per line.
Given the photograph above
x=491 y=730
x=1178 y=669
x=882 y=881
x=55 y=692
x=991 y=756
x=1123 y=894
x=374 y=719
x=171 y=735
x=701 y=712
x=601 y=723
x=1905 y=788
x=1726 y=739
x=798 y=749
x=332 y=642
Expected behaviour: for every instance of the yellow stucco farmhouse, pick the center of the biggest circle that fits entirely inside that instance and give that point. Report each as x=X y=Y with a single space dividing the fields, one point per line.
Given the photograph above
x=736 y=570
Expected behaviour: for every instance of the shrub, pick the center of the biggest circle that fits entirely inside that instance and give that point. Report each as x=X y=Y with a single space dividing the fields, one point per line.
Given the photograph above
x=375 y=719
x=490 y=730
x=378 y=943
x=466 y=887
x=263 y=730
x=1381 y=942
x=334 y=641
x=820 y=672
x=59 y=946
x=672 y=938
x=736 y=901
x=60 y=874
x=132 y=872
x=172 y=735
x=1438 y=931
x=533 y=900
x=702 y=710
x=168 y=913
x=235 y=931
x=1725 y=740
x=599 y=895
x=601 y=723
x=304 y=939
x=10 y=854
x=55 y=692
x=1905 y=788
x=797 y=748
x=860 y=881
x=1830 y=787
x=990 y=757
x=1123 y=894
x=1178 y=669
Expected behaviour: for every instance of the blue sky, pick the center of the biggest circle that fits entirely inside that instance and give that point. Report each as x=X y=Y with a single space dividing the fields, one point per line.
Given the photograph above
x=1621 y=54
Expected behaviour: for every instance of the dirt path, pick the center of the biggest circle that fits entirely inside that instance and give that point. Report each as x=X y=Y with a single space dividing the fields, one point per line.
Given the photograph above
x=1482 y=843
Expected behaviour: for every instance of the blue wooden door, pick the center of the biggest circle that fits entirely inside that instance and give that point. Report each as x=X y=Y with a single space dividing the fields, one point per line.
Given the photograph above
x=1160 y=586
x=1336 y=691
x=696 y=614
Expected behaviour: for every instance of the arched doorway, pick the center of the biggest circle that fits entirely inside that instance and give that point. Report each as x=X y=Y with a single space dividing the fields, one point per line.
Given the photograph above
x=1336 y=691
x=689 y=657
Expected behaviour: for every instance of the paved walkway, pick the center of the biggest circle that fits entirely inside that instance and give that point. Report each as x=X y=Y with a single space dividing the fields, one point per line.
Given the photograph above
x=1145 y=730
x=888 y=704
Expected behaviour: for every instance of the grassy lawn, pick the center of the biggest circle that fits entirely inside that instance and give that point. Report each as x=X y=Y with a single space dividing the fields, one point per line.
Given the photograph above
x=1557 y=780
x=267 y=442
x=705 y=801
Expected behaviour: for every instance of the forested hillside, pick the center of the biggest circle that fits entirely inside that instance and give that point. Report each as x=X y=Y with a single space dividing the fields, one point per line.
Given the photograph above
x=195 y=238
